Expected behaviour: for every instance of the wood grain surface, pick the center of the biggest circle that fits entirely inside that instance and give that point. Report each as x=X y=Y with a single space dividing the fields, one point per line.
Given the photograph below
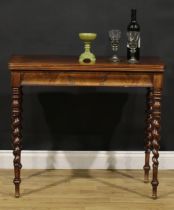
x=85 y=190
x=48 y=62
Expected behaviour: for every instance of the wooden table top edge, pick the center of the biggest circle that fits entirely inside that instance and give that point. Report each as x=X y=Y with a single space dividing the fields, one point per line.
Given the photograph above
x=70 y=63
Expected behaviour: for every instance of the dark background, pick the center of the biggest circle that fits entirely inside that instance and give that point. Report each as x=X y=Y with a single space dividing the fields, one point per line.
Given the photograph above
x=83 y=118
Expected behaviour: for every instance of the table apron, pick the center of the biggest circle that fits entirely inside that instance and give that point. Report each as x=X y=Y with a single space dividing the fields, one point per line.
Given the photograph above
x=123 y=79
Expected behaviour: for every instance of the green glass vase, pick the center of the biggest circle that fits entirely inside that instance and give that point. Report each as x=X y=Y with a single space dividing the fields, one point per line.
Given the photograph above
x=87 y=57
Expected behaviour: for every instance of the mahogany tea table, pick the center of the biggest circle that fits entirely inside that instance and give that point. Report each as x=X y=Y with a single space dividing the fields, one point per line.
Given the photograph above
x=66 y=71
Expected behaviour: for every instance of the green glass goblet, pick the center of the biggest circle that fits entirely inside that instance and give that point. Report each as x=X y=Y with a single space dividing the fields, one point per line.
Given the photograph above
x=87 y=57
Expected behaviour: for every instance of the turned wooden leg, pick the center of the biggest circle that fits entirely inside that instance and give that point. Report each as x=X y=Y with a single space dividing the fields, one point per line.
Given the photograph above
x=16 y=136
x=148 y=135
x=156 y=118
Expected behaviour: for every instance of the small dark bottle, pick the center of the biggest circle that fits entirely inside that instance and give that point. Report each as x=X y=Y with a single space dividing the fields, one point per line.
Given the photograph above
x=133 y=26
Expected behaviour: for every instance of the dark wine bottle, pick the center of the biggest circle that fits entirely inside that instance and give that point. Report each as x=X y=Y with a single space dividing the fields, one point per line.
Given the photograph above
x=133 y=26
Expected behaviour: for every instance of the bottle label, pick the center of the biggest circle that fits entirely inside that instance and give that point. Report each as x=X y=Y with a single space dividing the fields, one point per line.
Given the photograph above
x=139 y=43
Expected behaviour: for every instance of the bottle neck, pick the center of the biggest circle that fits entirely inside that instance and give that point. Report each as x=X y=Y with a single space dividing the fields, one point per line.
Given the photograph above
x=133 y=15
